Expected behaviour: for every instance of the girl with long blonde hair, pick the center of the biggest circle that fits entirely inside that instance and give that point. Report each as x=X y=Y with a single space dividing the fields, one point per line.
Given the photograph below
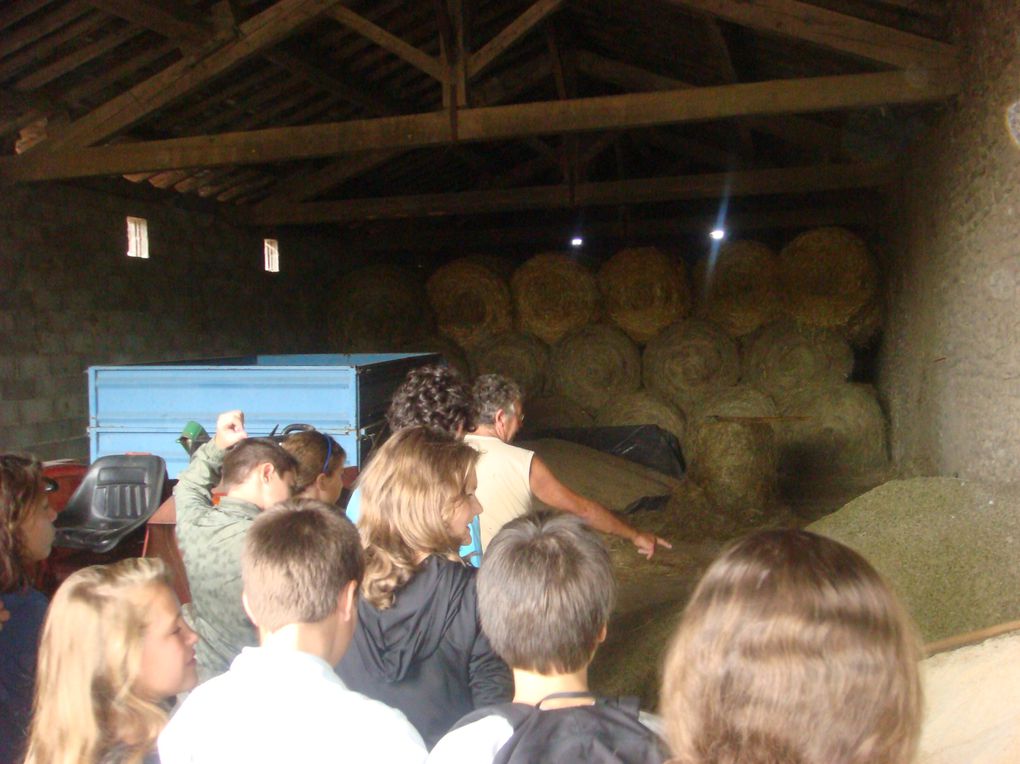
x=792 y=650
x=114 y=650
x=418 y=646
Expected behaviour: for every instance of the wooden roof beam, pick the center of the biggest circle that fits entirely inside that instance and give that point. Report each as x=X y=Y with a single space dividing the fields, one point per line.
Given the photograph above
x=626 y=192
x=836 y=31
x=175 y=21
x=255 y=35
x=493 y=123
x=390 y=42
x=519 y=27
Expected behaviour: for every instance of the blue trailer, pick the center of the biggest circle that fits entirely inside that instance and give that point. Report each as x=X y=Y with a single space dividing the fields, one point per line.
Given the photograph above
x=144 y=407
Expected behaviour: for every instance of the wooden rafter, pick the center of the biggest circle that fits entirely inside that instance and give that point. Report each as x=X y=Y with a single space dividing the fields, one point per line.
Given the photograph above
x=485 y=124
x=519 y=27
x=254 y=35
x=389 y=41
x=176 y=21
x=830 y=29
x=46 y=74
x=635 y=191
x=356 y=92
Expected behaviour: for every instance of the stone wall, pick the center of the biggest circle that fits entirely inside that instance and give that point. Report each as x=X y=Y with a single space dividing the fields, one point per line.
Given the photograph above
x=71 y=298
x=950 y=366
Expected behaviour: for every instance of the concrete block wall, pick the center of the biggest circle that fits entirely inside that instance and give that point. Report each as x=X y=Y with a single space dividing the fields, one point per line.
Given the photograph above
x=71 y=298
x=950 y=365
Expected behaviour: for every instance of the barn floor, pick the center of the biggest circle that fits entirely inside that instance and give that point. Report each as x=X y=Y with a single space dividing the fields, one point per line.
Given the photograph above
x=652 y=596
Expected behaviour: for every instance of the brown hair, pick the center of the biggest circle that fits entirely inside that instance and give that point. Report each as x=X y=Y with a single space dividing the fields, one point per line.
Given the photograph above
x=316 y=453
x=409 y=491
x=545 y=592
x=20 y=489
x=297 y=559
x=431 y=396
x=245 y=455
x=792 y=649
x=89 y=658
x=492 y=392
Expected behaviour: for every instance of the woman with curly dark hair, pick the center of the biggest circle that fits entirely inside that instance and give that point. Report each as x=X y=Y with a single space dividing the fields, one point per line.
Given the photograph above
x=26 y=536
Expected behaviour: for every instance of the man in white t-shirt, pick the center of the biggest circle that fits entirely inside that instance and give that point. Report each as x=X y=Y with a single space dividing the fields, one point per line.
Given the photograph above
x=301 y=566
x=508 y=476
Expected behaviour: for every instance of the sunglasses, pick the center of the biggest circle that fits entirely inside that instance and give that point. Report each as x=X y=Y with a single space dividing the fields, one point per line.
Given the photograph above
x=329 y=453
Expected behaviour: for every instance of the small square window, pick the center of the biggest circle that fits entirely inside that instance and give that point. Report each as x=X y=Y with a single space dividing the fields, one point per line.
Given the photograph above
x=272 y=251
x=138 y=238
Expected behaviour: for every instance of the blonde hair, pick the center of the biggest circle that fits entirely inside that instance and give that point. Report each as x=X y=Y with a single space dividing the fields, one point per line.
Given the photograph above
x=792 y=650
x=89 y=659
x=409 y=491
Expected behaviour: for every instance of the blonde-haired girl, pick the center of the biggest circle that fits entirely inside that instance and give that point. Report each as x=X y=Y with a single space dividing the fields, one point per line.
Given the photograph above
x=792 y=649
x=418 y=646
x=114 y=650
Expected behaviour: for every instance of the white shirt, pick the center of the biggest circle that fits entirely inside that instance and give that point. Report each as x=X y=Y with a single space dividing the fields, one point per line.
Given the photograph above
x=504 y=482
x=278 y=705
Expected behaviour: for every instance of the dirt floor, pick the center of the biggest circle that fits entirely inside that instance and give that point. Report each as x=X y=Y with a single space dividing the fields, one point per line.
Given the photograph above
x=652 y=594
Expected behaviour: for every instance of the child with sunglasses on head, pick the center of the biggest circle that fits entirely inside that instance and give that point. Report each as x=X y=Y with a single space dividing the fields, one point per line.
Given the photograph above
x=26 y=536
x=320 y=470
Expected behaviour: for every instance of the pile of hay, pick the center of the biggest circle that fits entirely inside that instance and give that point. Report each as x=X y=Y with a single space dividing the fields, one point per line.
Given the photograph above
x=688 y=360
x=865 y=324
x=595 y=364
x=827 y=275
x=738 y=289
x=520 y=357
x=642 y=407
x=832 y=429
x=553 y=412
x=553 y=295
x=470 y=301
x=451 y=352
x=379 y=308
x=948 y=546
x=741 y=401
x=645 y=291
x=784 y=356
x=737 y=464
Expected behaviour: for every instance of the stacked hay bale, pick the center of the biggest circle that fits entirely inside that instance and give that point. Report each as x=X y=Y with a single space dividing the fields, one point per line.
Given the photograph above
x=521 y=357
x=471 y=302
x=554 y=295
x=595 y=364
x=383 y=307
x=738 y=288
x=644 y=291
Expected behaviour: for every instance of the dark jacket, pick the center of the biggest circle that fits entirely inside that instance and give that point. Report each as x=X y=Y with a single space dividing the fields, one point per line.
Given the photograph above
x=427 y=655
x=19 y=645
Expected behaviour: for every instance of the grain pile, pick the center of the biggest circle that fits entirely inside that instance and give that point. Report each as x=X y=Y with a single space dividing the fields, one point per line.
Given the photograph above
x=948 y=546
x=521 y=357
x=470 y=302
x=553 y=295
x=689 y=360
x=383 y=307
x=594 y=364
x=644 y=290
x=738 y=289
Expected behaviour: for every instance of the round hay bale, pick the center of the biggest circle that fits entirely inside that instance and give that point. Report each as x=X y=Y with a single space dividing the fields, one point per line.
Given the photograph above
x=593 y=364
x=643 y=407
x=470 y=301
x=828 y=275
x=644 y=290
x=503 y=267
x=379 y=308
x=689 y=359
x=553 y=412
x=739 y=288
x=832 y=429
x=948 y=546
x=520 y=357
x=866 y=324
x=737 y=463
x=739 y=401
x=554 y=295
x=784 y=356
x=451 y=352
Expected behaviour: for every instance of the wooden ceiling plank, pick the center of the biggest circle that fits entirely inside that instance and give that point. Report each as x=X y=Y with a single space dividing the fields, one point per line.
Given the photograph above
x=634 y=191
x=510 y=34
x=175 y=21
x=14 y=12
x=12 y=42
x=631 y=110
x=32 y=56
x=837 y=31
x=256 y=34
x=62 y=66
x=390 y=42
x=363 y=96
x=729 y=75
x=78 y=94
